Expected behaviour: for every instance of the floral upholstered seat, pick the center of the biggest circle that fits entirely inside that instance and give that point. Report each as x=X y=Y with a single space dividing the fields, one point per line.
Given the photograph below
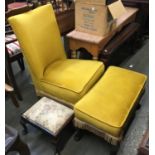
x=49 y=115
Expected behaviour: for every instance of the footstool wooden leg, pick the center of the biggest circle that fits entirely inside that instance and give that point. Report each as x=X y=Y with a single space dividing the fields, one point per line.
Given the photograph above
x=23 y=123
x=57 y=147
x=57 y=152
x=114 y=149
x=79 y=134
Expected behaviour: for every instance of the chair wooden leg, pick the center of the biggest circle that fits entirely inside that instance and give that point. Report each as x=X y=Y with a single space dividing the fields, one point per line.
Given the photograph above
x=10 y=77
x=21 y=147
x=14 y=100
x=21 y=64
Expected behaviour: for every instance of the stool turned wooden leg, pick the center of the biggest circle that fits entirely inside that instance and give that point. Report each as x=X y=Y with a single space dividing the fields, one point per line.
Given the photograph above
x=57 y=147
x=74 y=55
x=95 y=57
x=114 y=149
x=57 y=152
x=79 y=134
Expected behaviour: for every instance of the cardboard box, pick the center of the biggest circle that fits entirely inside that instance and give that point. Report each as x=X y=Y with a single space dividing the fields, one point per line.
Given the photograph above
x=104 y=2
x=95 y=17
x=92 y=1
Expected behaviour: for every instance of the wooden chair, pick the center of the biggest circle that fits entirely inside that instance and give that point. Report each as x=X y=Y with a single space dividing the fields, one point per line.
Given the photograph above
x=12 y=49
x=13 y=4
x=10 y=91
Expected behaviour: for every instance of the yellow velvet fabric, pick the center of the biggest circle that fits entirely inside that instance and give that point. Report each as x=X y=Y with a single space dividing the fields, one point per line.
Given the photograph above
x=108 y=104
x=39 y=38
x=72 y=78
x=52 y=73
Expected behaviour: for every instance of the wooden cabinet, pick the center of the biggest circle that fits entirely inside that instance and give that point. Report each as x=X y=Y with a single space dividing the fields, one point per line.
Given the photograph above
x=143 y=15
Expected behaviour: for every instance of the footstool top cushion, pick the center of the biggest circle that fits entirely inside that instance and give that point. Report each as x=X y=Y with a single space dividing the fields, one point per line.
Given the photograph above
x=49 y=115
x=107 y=105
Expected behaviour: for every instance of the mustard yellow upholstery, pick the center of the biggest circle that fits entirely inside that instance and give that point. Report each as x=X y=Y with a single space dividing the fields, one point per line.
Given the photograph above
x=108 y=104
x=52 y=73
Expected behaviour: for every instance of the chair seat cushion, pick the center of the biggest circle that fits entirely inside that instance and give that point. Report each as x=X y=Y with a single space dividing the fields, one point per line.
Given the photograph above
x=108 y=104
x=70 y=79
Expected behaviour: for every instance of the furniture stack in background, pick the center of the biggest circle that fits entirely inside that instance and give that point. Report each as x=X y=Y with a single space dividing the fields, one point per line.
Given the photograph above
x=100 y=23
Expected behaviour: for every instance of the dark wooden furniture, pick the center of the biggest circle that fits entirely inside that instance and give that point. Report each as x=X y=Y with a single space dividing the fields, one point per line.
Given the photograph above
x=127 y=34
x=144 y=145
x=143 y=14
x=65 y=15
x=65 y=20
x=10 y=91
x=10 y=78
x=13 y=142
x=95 y=44
x=16 y=54
x=50 y=117
x=14 y=4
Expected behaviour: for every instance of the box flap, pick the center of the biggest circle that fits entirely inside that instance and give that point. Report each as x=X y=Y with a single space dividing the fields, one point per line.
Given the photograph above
x=103 y=2
x=117 y=9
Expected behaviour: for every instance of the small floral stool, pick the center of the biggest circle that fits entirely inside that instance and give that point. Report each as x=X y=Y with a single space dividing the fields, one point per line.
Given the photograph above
x=49 y=116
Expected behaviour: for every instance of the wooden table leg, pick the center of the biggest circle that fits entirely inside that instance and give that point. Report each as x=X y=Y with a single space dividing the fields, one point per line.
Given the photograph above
x=95 y=57
x=74 y=55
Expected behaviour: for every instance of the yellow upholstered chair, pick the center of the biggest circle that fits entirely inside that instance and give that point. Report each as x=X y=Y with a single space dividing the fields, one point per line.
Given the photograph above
x=54 y=75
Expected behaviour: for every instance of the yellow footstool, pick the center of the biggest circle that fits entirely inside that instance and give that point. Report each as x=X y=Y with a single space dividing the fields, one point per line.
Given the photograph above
x=105 y=110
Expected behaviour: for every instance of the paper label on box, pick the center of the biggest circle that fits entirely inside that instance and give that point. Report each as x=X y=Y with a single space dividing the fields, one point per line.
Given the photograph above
x=93 y=19
x=89 y=15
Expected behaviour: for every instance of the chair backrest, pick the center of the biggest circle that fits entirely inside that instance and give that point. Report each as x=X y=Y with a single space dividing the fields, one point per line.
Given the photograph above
x=39 y=37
